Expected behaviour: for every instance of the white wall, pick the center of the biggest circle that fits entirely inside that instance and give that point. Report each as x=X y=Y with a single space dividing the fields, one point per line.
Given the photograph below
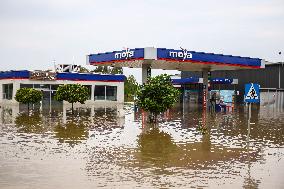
x=17 y=82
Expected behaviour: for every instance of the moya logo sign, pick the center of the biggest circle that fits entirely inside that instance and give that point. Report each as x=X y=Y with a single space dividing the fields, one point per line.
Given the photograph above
x=127 y=53
x=184 y=54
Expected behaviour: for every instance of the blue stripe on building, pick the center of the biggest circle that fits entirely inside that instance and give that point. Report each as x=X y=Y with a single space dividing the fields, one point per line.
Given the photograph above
x=89 y=77
x=24 y=74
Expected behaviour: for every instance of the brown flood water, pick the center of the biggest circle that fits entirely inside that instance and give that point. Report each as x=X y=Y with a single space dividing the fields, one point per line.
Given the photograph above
x=113 y=147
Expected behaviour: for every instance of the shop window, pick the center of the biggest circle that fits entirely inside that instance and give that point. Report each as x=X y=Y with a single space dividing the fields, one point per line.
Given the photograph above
x=105 y=92
x=26 y=85
x=54 y=87
x=111 y=93
x=8 y=91
x=100 y=92
x=42 y=86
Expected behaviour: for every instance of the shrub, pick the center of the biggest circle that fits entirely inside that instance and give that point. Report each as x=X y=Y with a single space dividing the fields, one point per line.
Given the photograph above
x=72 y=93
x=157 y=95
x=28 y=96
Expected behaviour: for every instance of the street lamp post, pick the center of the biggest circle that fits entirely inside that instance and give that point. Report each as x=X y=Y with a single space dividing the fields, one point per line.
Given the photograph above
x=279 y=71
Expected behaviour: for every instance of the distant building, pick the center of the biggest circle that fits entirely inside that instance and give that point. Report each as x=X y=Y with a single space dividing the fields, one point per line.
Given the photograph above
x=102 y=88
x=271 y=80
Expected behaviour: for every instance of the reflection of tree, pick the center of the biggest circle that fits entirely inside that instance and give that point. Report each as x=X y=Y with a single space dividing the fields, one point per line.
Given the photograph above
x=156 y=145
x=71 y=133
x=250 y=183
x=29 y=123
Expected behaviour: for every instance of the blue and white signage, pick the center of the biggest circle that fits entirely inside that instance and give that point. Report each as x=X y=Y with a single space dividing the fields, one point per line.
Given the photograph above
x=252 y=93
x=180 y=54
x=127 y=54
x=219 y=80
x=184 y=55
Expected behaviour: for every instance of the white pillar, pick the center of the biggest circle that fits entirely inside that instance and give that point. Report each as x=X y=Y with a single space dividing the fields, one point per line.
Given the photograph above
x=16 y=86
x=92 y=92
x=146 y=72
x=120 y=92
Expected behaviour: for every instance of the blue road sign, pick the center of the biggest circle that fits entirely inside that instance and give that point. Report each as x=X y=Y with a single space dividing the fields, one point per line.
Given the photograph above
x=252 y=93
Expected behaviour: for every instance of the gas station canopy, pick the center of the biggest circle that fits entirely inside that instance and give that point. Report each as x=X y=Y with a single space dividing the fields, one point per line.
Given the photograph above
x=170 y=59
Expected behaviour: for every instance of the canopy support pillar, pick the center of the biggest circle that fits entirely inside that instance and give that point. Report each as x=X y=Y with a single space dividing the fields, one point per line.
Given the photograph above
x=146 y=72
x=205 y=89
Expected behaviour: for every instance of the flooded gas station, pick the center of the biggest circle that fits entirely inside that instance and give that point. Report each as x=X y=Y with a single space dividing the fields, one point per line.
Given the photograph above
x=109 y=143
x=114 y=147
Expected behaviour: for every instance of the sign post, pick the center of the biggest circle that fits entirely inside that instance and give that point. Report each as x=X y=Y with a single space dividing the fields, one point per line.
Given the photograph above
x=251 y=96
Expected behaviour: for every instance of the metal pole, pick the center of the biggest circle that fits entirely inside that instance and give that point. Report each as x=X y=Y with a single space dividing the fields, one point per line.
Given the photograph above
x=50 y=99
x=249 y=117
x=183 y=101
x=279 y=75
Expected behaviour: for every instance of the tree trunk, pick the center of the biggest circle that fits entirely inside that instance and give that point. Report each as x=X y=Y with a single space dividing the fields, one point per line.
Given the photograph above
x=72 y=109
x=153 y=117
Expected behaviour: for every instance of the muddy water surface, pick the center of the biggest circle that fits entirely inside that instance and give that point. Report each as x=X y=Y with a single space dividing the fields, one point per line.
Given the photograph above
x=114 y=147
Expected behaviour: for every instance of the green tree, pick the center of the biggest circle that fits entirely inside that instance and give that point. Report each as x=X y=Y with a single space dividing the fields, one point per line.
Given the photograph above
x=72 y=93
x=28 y=96
x=130 y=88
x=108 y=70
x=98 y=69
x=116 y=70
x=157 y=95
x=83 y=70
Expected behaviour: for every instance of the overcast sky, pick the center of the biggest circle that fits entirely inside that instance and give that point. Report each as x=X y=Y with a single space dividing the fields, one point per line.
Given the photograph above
x=35 y=32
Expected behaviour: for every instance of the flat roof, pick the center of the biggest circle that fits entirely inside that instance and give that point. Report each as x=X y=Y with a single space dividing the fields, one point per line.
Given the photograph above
x=171 y=59
x=25 y=74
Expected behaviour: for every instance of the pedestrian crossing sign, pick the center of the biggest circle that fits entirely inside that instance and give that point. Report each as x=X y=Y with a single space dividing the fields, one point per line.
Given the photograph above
x=252 y=93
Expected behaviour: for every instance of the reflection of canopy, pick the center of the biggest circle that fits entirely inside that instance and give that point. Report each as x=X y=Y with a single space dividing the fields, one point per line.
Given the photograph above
x=161 y=58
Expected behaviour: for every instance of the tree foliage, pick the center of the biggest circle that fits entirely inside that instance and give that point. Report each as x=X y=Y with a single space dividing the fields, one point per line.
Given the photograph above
x=130 y=88
x=108 y=70
x=72 y=93
x=28 y=96
x=83 y=70
x=157 y=95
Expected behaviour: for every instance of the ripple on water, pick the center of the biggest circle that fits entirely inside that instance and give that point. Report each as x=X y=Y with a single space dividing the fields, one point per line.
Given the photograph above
x=100 y=147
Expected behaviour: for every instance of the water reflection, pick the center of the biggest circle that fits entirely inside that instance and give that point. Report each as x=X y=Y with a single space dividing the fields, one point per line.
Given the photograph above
x=73 y=132
x=107 y=146
x=30 y=122
x=155 y=146
x=158 y=147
